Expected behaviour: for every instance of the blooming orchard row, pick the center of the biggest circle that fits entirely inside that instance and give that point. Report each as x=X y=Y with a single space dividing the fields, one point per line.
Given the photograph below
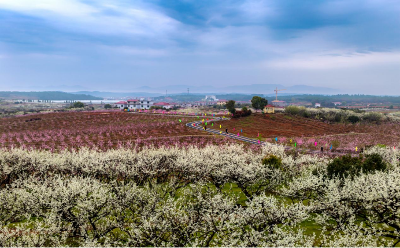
x=99 y=130
x=211 y=196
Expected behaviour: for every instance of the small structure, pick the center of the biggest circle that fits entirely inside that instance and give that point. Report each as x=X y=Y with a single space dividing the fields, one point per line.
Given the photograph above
x=163 y=105
x=337 y=103
x=211 y=98
x=317 y=105
x=121 y=104
x=221 y=102
x=278 y=103
x=269 y=109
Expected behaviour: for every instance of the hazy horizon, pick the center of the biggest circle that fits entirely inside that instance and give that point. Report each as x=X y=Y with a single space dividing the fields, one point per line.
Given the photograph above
x=118 y=46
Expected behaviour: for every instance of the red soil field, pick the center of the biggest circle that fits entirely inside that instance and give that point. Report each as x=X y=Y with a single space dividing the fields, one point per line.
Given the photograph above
x=102 y=130
x=281 y=125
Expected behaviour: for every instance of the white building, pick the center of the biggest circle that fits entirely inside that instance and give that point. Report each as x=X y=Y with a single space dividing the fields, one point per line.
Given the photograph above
x=121 y=104
x=141 y=103
x=317 y=105
x=135 y=104
x=211 y=98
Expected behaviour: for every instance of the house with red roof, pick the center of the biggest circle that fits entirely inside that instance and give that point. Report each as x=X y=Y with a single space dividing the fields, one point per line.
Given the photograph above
x=164 y=105
x=121 y=104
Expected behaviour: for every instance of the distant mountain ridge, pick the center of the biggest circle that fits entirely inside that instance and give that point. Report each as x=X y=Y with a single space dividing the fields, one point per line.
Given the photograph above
x=45 y=95
x=242 y=89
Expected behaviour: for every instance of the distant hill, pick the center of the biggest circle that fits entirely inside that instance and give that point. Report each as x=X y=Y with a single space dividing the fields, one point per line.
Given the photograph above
x=264 y=89
x=118 y=94
x=45 y=95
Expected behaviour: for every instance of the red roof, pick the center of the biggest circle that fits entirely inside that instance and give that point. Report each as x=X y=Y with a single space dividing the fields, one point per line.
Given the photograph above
x=222 y=100
x=269 y=106
x=133 y=100
x=161 y=104
x=120 y=102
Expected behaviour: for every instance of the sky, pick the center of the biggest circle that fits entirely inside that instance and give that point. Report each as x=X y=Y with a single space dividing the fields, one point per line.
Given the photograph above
x=120 y=45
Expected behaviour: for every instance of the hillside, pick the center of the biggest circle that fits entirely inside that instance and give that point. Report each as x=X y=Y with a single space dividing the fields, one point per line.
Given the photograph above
x=45 y=95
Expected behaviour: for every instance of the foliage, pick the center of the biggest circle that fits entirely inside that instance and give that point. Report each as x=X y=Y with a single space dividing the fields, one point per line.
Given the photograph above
x=211 y=196
x=339 y=115
x=78 y=105
x=348 y=166
x=107 y=106
x=230 y=105
x=241 y=113
x=343 y=167
x=258 y=102
x=353 y=119
x=272 y=160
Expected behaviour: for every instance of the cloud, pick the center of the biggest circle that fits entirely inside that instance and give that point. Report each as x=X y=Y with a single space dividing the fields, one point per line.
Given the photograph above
x=208 y=39
x=103 y=17
x=335 y=60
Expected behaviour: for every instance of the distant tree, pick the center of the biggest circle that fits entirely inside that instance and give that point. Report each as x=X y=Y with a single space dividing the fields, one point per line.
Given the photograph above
x=107 y=106
x=78 y=105
x=230 y=105
x=244 y=109
x=258 y=102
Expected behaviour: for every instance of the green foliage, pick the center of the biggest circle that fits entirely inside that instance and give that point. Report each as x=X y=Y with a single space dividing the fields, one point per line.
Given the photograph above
x=373 y=162
x=107 y=106
x=292 y=110
x=244 y=109
x=230 y=105
x=78 y=105
x=353 y=119
x=373 y=117
x=344 y=167
x=348 y=166
x=272 y=160
x=258 y=102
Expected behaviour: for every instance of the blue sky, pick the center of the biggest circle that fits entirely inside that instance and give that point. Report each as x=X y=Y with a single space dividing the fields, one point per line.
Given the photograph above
x=119 y=45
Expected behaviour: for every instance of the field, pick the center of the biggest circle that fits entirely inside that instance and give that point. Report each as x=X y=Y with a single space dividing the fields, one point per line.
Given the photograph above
x=114 y=129
x=113 y=178
x=306 y=132
x=100 y=130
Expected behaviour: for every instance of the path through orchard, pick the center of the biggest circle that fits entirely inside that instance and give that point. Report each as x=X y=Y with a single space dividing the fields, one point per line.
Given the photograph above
x=197 y=125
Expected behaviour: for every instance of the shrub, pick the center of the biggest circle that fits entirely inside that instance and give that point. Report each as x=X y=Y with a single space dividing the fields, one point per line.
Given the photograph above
x=373 y=117
x=347 y=166
x=373 y=162
x=353 y=119
x=242 y=113
x=292 y=110
x=272 y=160
x=78 y=105
x=107 y=106
x=344 y=167
x=244 y=109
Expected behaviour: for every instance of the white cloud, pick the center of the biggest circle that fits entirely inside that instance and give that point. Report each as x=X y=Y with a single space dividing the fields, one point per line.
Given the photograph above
x=67 y=8
x=74 y=15
x=335 y=59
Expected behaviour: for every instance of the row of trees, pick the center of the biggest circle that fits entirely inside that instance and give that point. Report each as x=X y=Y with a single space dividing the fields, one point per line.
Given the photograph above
x=256 y=102
x=213 y=196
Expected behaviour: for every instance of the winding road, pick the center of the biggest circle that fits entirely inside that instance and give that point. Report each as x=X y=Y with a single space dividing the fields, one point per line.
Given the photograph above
x=197 y=125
